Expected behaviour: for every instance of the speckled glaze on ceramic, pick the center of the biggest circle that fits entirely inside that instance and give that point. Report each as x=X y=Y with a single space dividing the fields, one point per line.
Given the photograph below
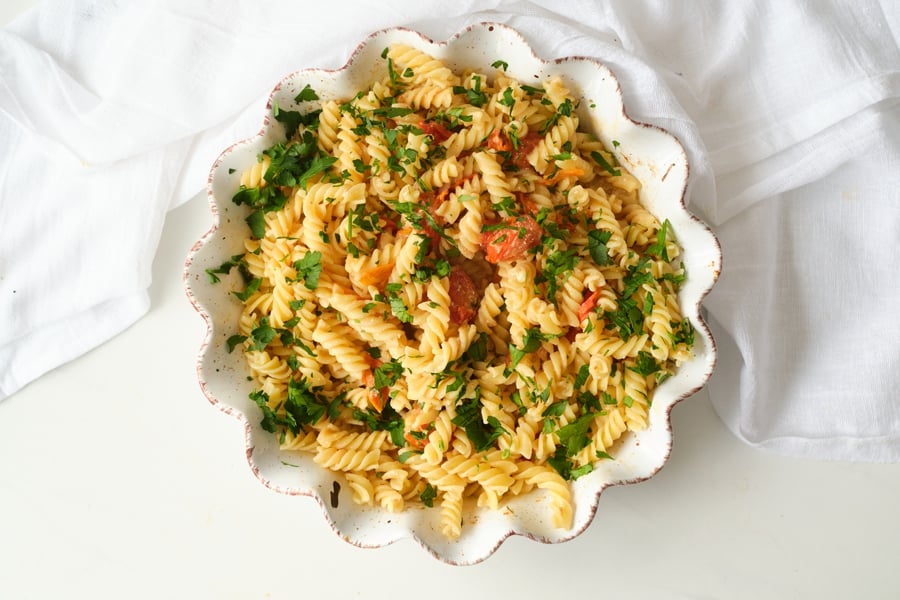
x=651 y=154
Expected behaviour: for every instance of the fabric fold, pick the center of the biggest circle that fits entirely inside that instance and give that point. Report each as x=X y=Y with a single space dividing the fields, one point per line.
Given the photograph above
x=112 y=113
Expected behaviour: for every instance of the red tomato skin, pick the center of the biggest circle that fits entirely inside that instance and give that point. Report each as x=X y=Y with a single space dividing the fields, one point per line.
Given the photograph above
x=511 y=242
x=437 y=131
x=526 y=145
x=587 y=306
x=463 y=297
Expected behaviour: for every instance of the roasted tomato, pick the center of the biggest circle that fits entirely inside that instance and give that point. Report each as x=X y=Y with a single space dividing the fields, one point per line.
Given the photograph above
x=498 y=141
x=463 y=297
x=377 y=398
x=438 y=132
x=511 y=239
x=434 y=238
x=588 y=305
x=416 y=439
x=526 y=145
x=527 y=203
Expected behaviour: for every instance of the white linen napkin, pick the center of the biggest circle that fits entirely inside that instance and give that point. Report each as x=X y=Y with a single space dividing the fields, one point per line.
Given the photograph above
x=111 y=113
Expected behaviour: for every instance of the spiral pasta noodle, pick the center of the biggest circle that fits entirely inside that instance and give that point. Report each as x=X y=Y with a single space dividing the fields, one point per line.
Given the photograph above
x=451 y=293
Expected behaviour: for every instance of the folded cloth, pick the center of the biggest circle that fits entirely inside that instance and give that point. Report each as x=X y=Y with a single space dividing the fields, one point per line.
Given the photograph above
x=111 y=114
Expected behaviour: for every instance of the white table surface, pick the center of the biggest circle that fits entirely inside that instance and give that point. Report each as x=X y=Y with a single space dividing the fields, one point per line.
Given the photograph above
x=119 y=480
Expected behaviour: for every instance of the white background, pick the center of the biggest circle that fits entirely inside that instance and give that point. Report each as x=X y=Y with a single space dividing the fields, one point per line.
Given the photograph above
x=119 y=480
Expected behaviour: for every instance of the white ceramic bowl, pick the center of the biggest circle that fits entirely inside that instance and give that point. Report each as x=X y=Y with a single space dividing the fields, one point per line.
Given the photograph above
x=651 y=154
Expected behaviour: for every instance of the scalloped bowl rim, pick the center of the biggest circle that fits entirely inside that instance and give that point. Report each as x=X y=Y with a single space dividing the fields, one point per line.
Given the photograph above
x=702 y=254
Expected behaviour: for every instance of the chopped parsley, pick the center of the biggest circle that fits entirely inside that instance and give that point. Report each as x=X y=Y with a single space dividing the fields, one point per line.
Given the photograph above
x=597 y=240
x=557 y=266
x=387 y=374
x=303 y=406
x=293 y=120
x=256 y=221
x=683 y=333
x=627 y=318
x=637 y=276
x=309 y=268
x=581 y=378
x=481 y=433
x=659 y=249
x=263 y=334
x=235 y=261
x=531 y=341
x=601 y=160
x=235 y=340
x=387 y=420
x=428 y=495
x=307 y=94
x=477 y=350
x=473 y=95
x=574 y=436
x=249 y=290
x=398 y=307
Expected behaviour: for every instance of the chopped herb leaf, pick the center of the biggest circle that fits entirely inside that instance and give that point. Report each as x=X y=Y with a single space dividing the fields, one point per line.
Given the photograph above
x=257 y=223
x=387 y=420
x=300 y=344
x=637 y=276
x=597 y=240
x=428 y=495
x=233 y=341
x=561 y=463
x=319 y=165
x=601 y=160
x=309 y=268
x=249 y=290
x=235 y=261
x=398 y=308
x=659 y=249
x=558 y=265
x=589 y=401
x=574 y=436
x=627 y=317
x=582 y=470
x=482 y=434
x=270 y=420
x=262 y=334
x=306 y=94
x=556 y=409
x=304 y=405
x=292 y=119
x=387 y=374
x=683 y=333
x=531 y=341
x=645 y=364
x=477 y=350
x=648 y=303
x=507 y=99
x=582 y=376
x=406 y=455
x=474 y=95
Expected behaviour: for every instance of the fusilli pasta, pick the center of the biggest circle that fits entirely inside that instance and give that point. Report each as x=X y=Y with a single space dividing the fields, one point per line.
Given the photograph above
x=451 y=292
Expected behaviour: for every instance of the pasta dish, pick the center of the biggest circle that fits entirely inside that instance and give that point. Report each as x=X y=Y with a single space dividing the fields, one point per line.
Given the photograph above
x=451 y=291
